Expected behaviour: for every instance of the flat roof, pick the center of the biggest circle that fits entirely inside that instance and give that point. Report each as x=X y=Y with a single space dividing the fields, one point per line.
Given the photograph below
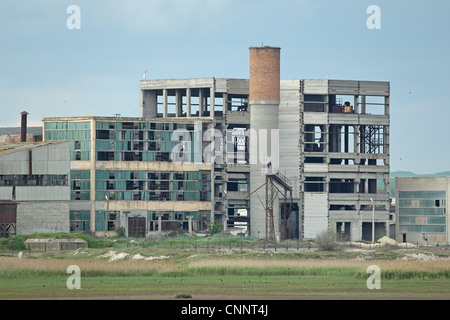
x=129 y=119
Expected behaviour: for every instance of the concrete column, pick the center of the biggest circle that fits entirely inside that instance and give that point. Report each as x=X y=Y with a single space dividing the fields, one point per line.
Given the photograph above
x=356 y=105
x=179 y=103
x=188 y=102
x=159 y=215
x=92 y=169
x=124 y=222
x=387 y=148
x=165 y=103
x=212 y=99
x=225 y=104
x=224 y=221
x=386 y=106
x=201 y=102
x=363 y=104
x=190 y=224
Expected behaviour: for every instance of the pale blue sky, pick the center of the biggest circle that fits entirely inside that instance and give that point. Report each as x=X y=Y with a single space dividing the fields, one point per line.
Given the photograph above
x=49 y=70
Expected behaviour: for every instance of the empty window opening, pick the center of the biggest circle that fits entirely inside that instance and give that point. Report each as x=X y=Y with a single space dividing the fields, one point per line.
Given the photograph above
x=340 y=161
x=237 y=144
x=171 y=106
x=315 y=102
x=218 y=106
x=375 y=105
x=314 y=138
x=314 y=159
x=237 y=103
x=341 y=104
x=372 y=139
x=314 y=184
x=336 y=207
x=342 y=186
x=342 y=138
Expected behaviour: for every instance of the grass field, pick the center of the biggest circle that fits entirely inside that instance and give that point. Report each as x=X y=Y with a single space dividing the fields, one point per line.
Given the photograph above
x=194 y=274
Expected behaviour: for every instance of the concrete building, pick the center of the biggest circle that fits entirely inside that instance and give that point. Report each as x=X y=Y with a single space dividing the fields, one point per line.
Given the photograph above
x=35 y=177
x=422 y=210
x=130 y=172
x=332 y=138
x=263 y=156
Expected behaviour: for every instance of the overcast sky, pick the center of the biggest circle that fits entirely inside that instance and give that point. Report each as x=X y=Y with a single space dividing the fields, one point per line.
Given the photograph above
x=50 y=70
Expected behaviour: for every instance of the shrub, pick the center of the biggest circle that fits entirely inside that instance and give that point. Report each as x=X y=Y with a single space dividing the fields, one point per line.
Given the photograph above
x=215 y=228
x=326 y=240
x=121 y=231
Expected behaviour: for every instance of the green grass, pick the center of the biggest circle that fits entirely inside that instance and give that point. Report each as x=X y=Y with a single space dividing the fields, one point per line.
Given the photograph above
x=211 y=274
x=216 y=284
x=19 y=241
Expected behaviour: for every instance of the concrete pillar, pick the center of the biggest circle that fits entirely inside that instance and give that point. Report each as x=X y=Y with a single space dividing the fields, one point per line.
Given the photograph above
x=165 y=103
x=188 y=102
x=386 y=105
x=212 y=104
x=178 y=103
x=201 y=102
x=92 y=170
x=159 y=215
x=363 y=104
x=356 y=105
x=225 y=222
x=190 y=224
x=225 y=103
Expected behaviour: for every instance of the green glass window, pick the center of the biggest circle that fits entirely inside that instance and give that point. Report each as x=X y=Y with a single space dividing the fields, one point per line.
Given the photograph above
x=421 y=194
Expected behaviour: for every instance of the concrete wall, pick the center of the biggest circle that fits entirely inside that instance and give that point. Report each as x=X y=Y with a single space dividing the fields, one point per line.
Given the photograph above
x=42 y=216
x=315 y=214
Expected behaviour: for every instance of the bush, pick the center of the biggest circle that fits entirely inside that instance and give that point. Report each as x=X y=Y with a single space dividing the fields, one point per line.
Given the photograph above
x=326 y=241
x=121 y=231
x=215 y=228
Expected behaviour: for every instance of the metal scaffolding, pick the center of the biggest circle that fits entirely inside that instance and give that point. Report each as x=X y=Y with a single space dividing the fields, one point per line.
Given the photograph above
x=274 y=182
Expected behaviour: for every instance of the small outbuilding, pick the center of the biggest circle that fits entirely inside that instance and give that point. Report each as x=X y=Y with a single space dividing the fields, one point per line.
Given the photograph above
x=8 y=218
x=55 y=244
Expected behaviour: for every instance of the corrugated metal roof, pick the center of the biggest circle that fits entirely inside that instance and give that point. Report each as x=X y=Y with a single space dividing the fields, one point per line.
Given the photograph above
x=7 y=148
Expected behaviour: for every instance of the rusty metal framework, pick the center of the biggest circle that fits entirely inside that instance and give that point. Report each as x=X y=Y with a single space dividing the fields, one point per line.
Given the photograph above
x=275 y=181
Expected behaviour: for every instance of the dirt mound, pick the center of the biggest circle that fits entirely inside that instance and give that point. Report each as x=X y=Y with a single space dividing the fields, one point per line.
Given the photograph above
x=387 y=240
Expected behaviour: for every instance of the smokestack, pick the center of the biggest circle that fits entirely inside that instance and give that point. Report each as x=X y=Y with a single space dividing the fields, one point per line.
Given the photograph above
x=264 y=102
x=264 y=74
x=23 y=128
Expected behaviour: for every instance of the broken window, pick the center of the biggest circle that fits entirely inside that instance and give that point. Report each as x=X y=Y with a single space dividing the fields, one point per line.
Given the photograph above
x=314 y=102
x=342 y=186
x=314 y=138
x=314 y=184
